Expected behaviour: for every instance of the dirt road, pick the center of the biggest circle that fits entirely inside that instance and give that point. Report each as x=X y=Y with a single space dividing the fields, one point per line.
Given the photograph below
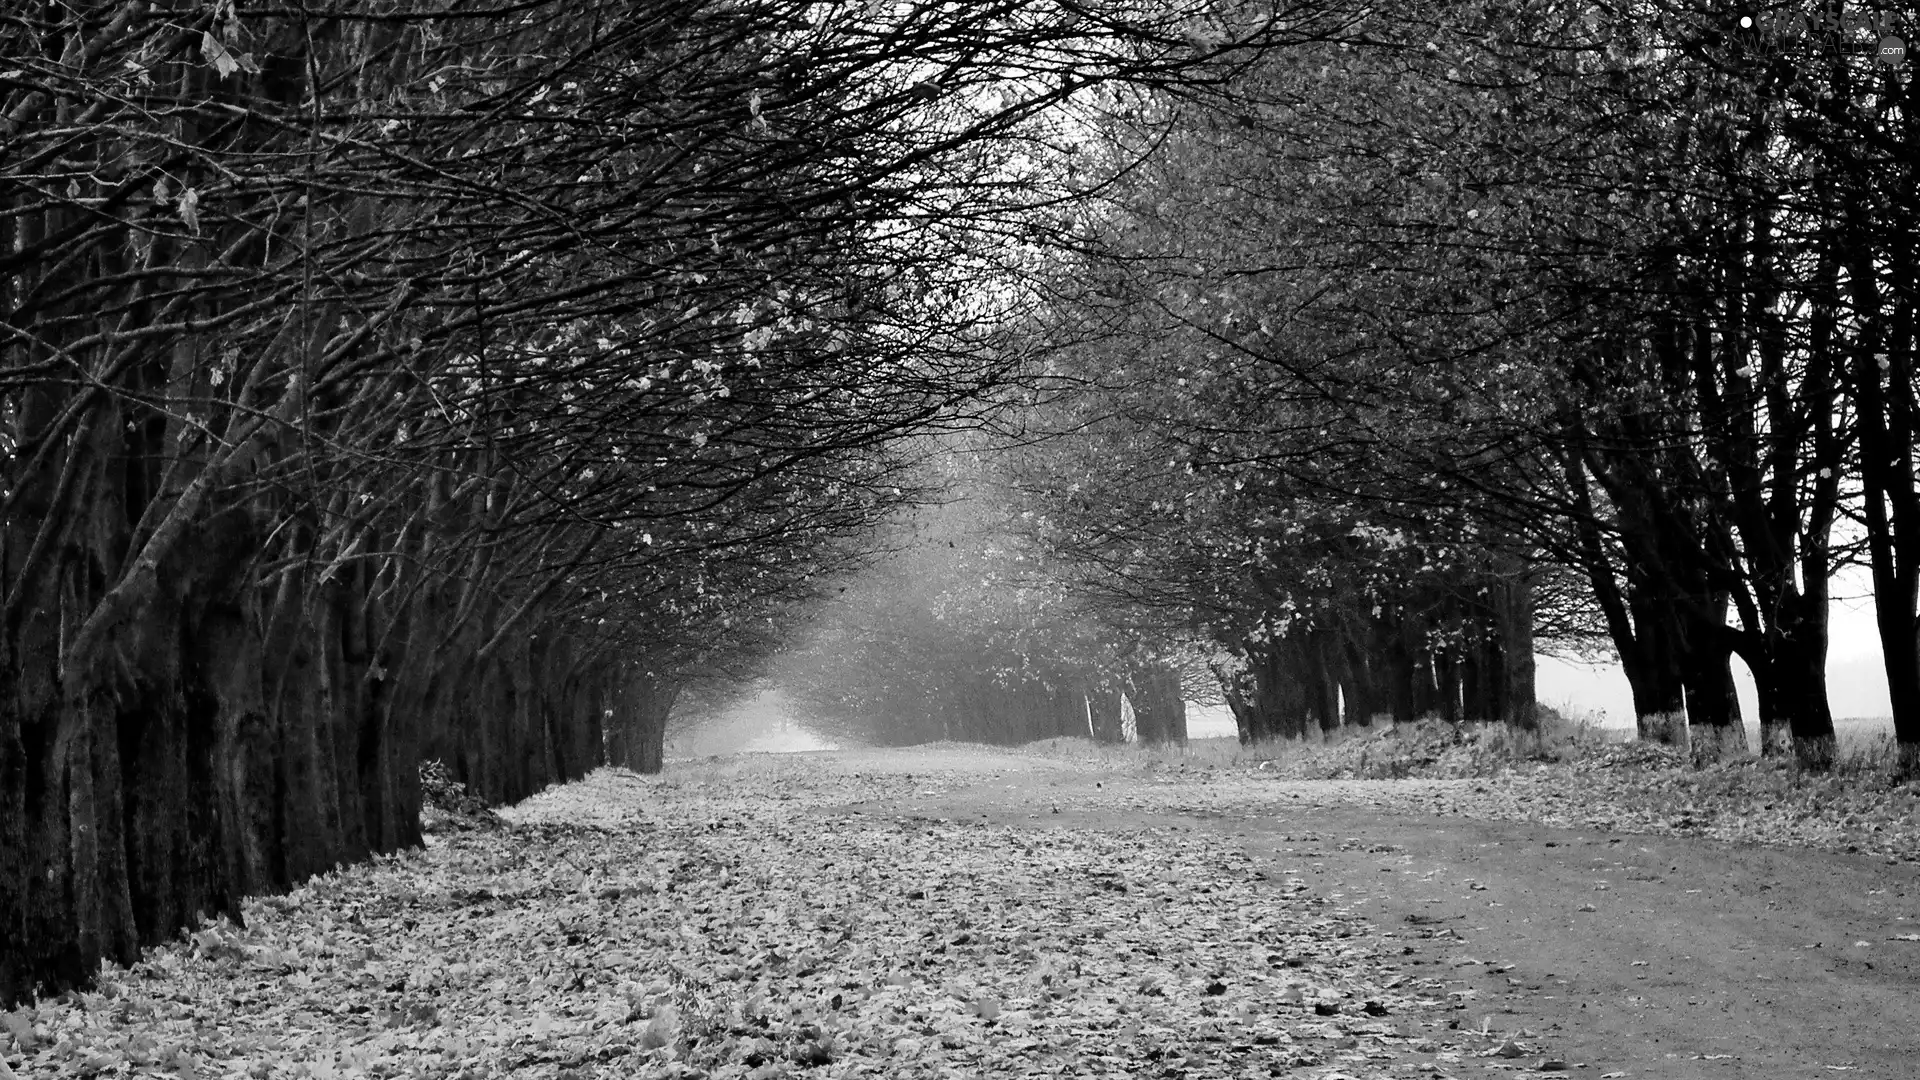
x=1636 y=955
x=946 y=913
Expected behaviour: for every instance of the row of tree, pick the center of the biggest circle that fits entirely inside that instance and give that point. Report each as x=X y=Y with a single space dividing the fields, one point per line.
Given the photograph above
x=1306 y=624
x=1553 y=295
x=396 y=380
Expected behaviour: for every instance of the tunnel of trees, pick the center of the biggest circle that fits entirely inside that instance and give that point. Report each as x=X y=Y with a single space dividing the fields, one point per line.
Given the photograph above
x=404 y=381
x=407 y=380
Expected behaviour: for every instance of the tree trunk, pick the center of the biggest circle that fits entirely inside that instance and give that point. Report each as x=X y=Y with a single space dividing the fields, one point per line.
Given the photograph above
x=1889 y=430
x=1103 y=703
x=1715 y=729
x=1159 y=710
x=1067 y=707
x=1359 y=692
x=1519 y=707
x=1653 y=669
x=1260 y=691
x=638 y=727
x=1792 y=687
x=1444 y=673
x=1322 y=684
x=1236 y=689
x=1404 y=675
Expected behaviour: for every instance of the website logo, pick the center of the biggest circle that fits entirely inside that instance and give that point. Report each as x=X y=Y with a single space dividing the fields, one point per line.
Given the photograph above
x=1853 y=31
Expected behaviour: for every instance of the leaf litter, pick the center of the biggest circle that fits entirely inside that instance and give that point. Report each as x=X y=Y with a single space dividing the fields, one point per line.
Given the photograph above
x=740 y=923
x=1436 y=768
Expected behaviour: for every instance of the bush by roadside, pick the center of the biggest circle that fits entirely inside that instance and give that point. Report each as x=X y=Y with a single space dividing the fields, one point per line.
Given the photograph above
x=446 y=806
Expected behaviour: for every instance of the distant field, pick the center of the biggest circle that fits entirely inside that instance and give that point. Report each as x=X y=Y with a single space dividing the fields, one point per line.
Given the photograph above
x=1854 y=732
x=1210 y=722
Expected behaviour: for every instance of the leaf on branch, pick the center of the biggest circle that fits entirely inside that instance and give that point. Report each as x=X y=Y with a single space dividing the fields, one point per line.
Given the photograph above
x=189 y=209
x=224 y=60
x=1203 y=39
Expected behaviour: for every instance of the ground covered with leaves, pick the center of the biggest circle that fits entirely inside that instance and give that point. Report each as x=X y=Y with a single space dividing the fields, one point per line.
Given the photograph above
x=920 y=913
x=1625 y=787
x=1640 y=787
x=733 y=927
